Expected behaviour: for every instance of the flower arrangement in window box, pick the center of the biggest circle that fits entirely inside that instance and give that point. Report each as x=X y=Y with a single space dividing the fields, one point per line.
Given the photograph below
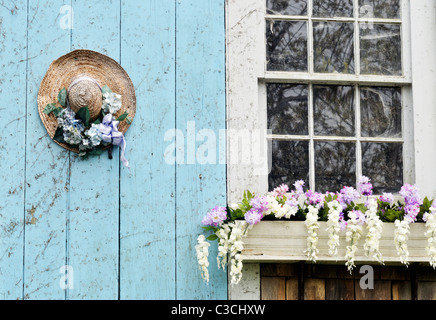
x=345 y=226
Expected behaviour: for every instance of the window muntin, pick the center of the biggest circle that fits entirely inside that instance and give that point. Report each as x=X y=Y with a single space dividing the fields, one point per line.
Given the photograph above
x=337 y=104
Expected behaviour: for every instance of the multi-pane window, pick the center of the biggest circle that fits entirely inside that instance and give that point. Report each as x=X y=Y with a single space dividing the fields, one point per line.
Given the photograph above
x=337 y=86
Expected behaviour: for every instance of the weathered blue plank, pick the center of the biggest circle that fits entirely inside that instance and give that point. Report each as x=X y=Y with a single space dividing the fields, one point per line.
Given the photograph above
x=147 y=255
x=13 y=55
x=200 y=101
x=46 y=163
x=94 y=183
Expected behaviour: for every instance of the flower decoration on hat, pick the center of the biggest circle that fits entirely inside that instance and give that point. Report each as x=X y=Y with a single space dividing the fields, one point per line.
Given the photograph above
x=84 y=126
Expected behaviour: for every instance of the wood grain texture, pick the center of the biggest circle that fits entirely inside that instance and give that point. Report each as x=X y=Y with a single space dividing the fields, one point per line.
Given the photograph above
x=13 y=66
x=47 y=165
x=127 y=234
x=273 y=288
x=94 y=185
x=147 y=190
x=200 y=100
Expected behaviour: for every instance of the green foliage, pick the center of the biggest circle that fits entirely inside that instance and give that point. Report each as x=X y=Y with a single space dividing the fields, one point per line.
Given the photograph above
x=59 y=135
x=83 y=114
x=123 y=116
x=49 y=108
x=62 y=97
x=105 y=89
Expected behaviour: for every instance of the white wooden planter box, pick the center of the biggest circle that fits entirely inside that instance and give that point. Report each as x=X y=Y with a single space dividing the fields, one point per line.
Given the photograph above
x=286 y=241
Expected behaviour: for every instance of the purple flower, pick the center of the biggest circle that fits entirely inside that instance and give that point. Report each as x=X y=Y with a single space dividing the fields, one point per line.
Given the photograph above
x=253 y=216
x=299 y=187
x=292 y=202
x=412 y=211
x=259 y=203
x=215 y=216
x=348 y=195
x=280 y=191
x=387 y=197
x=410 y=194
x=314 y=198
x=364 y=186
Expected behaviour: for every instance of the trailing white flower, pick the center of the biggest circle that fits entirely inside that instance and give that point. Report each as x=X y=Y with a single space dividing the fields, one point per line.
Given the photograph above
x=352 y=235
x=402 y=231
x=312 y=225
x=235 y=249
x=333 y=226
x=202 y=249
x=430 y=224
x=374 y=232
x=223 y=245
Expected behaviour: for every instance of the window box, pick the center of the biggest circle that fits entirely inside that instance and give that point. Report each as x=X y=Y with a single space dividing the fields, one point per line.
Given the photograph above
x=285 y=241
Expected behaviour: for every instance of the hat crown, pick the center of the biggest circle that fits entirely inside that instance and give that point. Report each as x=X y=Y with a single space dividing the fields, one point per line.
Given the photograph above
x=85 y=91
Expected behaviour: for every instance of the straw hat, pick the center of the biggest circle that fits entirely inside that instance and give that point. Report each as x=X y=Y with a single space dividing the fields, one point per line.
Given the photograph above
x=83 y=73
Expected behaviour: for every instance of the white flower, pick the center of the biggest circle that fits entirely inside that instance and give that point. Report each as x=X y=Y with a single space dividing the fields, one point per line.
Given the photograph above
x=333 y=226
x=312 y=226
x=401 y=236
x=352 y=235
x=230 y=246
x=202 y=249
x=236 y=247
x=111 y=102
x=374 y=228
x=430 y=224
x=94 y=135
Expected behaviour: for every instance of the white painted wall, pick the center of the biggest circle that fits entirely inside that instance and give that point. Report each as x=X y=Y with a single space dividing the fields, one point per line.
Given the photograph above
x=423 y=46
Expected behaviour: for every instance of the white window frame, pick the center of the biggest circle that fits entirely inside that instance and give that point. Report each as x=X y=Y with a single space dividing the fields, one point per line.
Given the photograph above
x=246 y=100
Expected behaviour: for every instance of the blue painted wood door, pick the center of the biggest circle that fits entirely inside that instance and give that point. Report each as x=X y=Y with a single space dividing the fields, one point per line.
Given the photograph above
x=124 y=234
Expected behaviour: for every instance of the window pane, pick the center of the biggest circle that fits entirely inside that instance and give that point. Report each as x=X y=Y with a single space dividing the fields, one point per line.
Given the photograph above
x=332 y=8
x=335 y=165
x=333 y=47
x=290 y=162
x=383 y=164
x=287 y=7
x=380 y=112
x=380 y=49
x=286 y=46
x=390 y=9
x=288 y=109
x=333 y=110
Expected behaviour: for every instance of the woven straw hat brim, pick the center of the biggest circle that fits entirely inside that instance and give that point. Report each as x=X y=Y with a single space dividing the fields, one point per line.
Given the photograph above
x=102 y=68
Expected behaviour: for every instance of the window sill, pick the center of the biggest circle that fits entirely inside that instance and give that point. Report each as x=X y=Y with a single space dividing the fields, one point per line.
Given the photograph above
x=285 y=241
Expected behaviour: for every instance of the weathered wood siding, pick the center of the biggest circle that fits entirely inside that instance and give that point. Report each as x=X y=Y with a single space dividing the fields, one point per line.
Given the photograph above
x=127 y=234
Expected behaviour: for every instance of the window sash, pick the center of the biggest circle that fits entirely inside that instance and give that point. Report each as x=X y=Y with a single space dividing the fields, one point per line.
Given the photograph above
x=326 y=78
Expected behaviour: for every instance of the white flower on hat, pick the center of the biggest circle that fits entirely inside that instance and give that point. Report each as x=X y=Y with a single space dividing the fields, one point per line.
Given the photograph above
x=94 y=135
x=111 y=102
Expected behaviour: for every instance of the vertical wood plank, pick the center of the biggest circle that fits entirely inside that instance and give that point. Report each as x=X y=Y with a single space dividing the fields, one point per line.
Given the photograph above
x=200 y=102
x=339 y=289
x=292 y=289
x=314 y=289
x=273 y=288
x=401 y=290
x=147 y=243
x=382 y=291
x=46 y=163
x=94 y=183
x=13 y=58
x=426 y=290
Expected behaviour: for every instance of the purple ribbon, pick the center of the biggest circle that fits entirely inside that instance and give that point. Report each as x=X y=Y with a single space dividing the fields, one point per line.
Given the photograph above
x=110 y=134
